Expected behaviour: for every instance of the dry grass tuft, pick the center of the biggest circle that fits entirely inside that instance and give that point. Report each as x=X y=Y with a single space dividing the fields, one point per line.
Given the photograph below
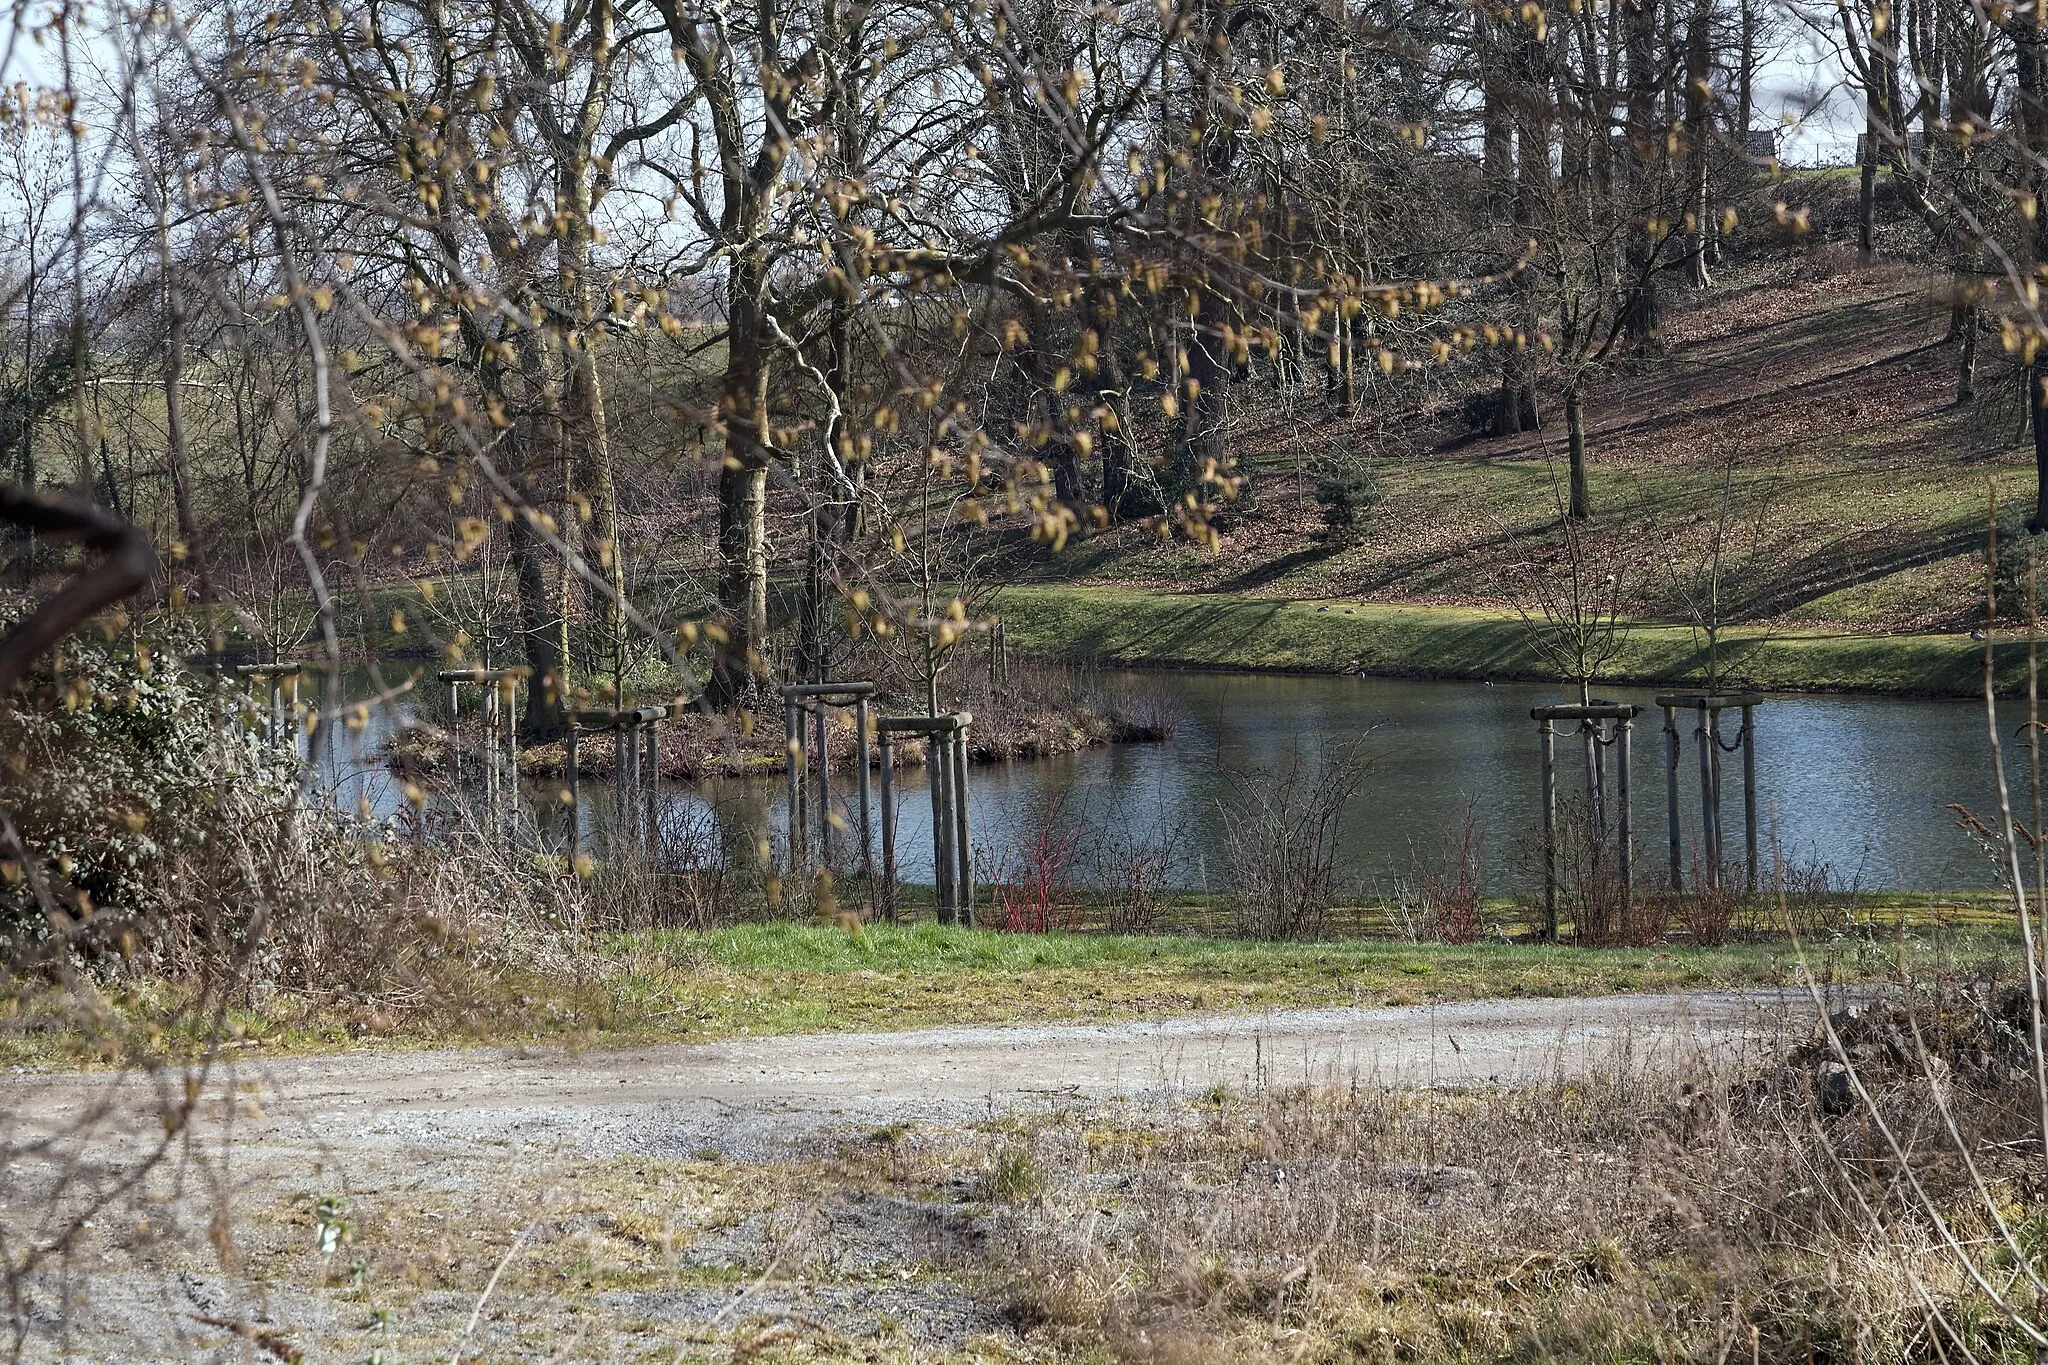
x=1709 y=1215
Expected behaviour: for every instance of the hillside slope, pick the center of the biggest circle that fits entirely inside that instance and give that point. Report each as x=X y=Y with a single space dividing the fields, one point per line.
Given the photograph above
x=1820 y=390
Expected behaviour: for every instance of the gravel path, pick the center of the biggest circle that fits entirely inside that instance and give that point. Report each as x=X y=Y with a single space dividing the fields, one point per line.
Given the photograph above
x=748 y=1097
x=450 y=1162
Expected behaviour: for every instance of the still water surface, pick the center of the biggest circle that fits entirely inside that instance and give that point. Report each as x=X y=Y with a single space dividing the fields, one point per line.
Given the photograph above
x=1858 y=783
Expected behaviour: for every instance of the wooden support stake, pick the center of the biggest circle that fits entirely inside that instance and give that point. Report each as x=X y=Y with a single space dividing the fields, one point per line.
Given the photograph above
x=1708 y=877
x=964 y=852
x=1676 y=846
x=888 y=762
x=624 y=750
x=1626 y=827
x=861 y=756
x=1714 y=753
x=1549 y=829
x=487 y=755
x=1596 y=783
x=573 y=773
x=824 y=789
x=937 y=751
x=511 y=705
x=651 y=780
x=793 y=733
x=1749 y=792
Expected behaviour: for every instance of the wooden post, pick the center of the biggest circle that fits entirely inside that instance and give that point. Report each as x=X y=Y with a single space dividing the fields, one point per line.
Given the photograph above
x=487 y=753
x=1625 y=728
x=1676 y=847
x=1549 y=829
x=964 y=852
x=572 y=771
x=824 y=788
x=651 y=781
x=1710 y=876
x=862 y=755
x=1596 y=785
x=625 y=752
x=795 y=736
x=1714 y=770
x=888 y=761
x=1749 y=791
x=511 y=709
x=936 y=752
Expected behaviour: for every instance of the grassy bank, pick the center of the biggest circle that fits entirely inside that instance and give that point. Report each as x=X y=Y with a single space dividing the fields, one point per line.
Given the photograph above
x=675 y=986
x=1239 y=630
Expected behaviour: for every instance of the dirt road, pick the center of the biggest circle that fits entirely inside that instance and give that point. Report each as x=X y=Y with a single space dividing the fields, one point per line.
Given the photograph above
x=671 y=1199
x=749 y=1097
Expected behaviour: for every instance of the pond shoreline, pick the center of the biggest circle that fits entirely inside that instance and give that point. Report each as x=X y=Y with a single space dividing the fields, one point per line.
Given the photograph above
x=1238 y=633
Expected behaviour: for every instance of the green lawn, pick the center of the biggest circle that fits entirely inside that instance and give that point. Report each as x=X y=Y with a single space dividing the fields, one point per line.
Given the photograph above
x=1239 y=630
x=787 y=978
x=621 y=989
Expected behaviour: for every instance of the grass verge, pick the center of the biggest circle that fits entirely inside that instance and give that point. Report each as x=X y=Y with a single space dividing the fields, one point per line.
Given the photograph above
x=1237 y=630
x=675 y=986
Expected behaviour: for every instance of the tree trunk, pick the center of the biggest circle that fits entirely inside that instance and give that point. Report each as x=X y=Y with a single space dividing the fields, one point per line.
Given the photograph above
x=2037 y=402
x=814 y=646
x=536 y=461
x=1745 y=74
x=1348 y=394
x=1201 y=422
x=742 y=493
x=583 y=414
x=1575 y=435
x=743 y=580
x=1497 y=151
x=1699 y=69
x=2033 y=121
x=541 y=630
x=1642 y=313
x=1515 y=410
x=1966 y=362
x=1119 y=487
x=1866 y=187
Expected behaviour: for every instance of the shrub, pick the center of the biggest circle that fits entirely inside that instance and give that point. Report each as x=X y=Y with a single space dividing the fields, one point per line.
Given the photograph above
x=1449 y=884
x=1035 y=890
x=1133 y=871
x=1281 y=831
x=1346 y=497
x=121 y=761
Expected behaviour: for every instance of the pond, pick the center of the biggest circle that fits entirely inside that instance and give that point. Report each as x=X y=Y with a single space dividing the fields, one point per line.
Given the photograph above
x=1860 y=784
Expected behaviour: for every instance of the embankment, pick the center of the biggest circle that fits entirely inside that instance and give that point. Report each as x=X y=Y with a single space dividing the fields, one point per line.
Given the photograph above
x=1128 y=627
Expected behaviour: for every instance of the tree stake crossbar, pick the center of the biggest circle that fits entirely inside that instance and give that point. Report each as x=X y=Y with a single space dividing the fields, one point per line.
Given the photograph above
x=636 y=766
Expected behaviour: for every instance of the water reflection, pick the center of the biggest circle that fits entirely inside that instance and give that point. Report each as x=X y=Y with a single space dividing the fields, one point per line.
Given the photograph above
x=1859 y=783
